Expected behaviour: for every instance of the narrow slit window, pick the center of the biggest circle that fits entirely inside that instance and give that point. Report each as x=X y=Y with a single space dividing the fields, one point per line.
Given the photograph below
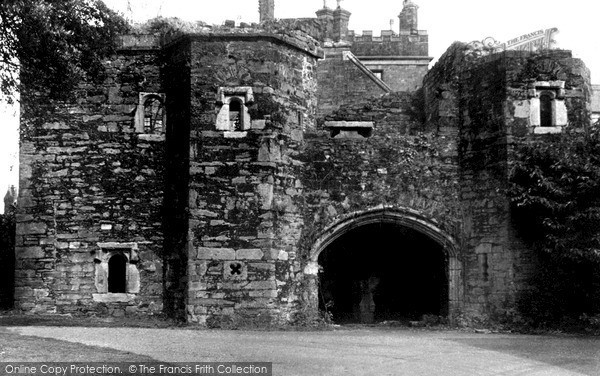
x=117 y=274
x=546 y=110
x=236 y=117
x=153 y=115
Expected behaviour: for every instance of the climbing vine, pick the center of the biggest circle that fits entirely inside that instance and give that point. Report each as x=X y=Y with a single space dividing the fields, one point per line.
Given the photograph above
x=555 y=196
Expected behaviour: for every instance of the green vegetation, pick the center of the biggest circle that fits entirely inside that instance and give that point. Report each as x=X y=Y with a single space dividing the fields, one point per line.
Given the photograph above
x=555 y=194
x=53 y=44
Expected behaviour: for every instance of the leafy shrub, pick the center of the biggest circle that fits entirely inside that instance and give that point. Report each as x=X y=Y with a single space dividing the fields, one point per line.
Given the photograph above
x=555 y=194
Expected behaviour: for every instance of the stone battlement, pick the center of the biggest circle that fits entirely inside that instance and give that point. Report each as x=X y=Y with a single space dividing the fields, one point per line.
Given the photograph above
x=385 y=36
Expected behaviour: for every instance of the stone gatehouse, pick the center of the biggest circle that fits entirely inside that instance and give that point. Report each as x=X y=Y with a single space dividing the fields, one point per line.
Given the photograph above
x=262 y=173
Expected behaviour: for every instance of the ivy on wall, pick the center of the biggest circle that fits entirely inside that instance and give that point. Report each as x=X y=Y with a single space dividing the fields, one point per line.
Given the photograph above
x=555 y=196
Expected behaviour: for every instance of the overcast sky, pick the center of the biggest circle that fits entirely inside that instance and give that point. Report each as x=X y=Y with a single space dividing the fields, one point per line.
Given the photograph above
x=446 y=21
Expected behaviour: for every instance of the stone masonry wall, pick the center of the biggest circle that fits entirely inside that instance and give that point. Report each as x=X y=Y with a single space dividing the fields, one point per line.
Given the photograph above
x=495 y=92
x=400 y=77
x=244 y=185
x=86 y=178
x=341 y=83
x=399 y=166
x=486 y=100
x=400 y=45
x=468 y=96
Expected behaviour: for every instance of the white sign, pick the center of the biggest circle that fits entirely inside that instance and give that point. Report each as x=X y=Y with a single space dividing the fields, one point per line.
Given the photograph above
x=538 y=40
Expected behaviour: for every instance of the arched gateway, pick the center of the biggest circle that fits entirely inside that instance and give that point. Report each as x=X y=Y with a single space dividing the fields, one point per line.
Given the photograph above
x=386 y=264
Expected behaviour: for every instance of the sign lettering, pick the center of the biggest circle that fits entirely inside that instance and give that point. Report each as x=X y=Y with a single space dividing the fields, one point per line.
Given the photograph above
x=535 y=41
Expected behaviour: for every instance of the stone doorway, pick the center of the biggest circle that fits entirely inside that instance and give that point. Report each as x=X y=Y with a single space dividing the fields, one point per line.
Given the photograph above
x=383 y=271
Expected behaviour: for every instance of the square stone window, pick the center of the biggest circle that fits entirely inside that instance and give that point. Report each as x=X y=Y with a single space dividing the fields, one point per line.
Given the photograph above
x=548 y=112
x=117 y=277
x=378 y=73
x=232 y=110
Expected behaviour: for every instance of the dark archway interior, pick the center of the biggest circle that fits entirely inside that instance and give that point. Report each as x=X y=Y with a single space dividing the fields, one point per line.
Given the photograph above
x=383 y=271
x=117 y=274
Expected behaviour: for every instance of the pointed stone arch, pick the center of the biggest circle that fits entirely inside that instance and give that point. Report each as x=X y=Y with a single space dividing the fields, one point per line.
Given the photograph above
x=404 y=217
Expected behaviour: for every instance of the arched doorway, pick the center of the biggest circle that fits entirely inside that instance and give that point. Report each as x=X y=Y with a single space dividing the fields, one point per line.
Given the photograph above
x=386 y=264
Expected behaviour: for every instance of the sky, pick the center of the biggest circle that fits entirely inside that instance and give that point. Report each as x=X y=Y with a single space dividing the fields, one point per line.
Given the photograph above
x=445 y=20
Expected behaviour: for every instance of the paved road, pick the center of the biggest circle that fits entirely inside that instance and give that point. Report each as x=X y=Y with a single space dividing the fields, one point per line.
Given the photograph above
x=352 y=351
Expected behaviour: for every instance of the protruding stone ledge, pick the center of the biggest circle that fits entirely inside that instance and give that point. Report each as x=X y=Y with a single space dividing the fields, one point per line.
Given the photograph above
x=355 y=130
x=349 y=124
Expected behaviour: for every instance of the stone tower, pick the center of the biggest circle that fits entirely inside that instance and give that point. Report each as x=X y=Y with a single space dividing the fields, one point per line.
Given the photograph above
x=266 y=8
x=409 y=18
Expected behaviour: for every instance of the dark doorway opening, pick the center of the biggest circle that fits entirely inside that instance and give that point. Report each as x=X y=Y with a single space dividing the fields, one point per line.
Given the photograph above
x=383 y=271
x=117 y=274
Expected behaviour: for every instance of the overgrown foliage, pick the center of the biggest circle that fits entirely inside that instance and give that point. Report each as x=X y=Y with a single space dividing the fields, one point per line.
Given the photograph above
x=54 y=43
x=7 y=259
x=555 y=192
x=170 y=27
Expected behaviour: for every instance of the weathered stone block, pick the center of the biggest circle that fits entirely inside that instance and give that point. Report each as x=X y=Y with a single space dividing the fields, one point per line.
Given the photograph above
x=31 y=228
x=206 y=253
x=249 y=254
x=265 y=192
x=30 y=252
x=261 y=285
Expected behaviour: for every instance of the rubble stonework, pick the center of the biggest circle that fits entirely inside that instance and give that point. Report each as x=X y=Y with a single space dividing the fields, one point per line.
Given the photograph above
x=486 y=101
x=273 y=150
x=88 y=177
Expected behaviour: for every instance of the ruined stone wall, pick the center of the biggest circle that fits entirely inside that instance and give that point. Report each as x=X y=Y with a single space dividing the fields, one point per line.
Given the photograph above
x=314 y=27
x=468 y=96
x=398 y=166
x=88 y=178
x=341 y=83
x=490 y=269
x=522 y=69
x=440 y=89
x=487 y=100
x=244 y=185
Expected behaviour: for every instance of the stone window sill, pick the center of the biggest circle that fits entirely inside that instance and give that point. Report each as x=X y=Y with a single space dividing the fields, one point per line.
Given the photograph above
x=235 y=134
x=547 y=130
x=151 y=137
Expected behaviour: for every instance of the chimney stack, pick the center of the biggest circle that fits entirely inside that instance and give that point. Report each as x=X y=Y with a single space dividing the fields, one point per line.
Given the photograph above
x=409 y=18
x=266 y=9
x=325 y=17
x=341 y=17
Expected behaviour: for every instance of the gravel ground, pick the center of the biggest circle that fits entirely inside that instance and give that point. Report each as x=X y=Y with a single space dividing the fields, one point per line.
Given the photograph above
x=362 y=351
